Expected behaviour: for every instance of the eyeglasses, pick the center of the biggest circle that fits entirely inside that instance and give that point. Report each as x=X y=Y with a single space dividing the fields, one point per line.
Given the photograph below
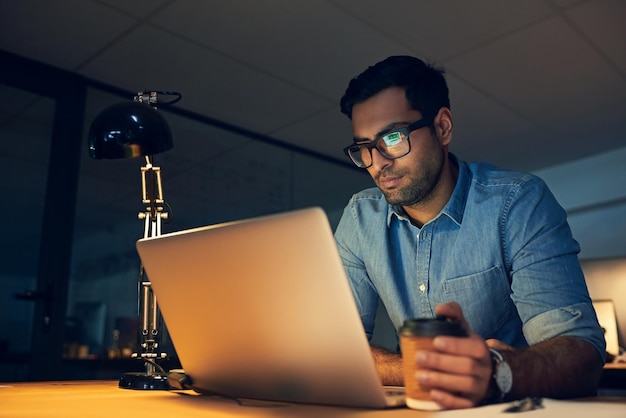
x=393 y=144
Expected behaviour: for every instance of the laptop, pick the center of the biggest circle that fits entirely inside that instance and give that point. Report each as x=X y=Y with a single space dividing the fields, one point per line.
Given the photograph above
x=262 y=309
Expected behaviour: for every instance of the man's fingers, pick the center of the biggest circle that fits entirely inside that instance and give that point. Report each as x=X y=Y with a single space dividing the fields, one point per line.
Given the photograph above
x=449 y=401
x=498 y=345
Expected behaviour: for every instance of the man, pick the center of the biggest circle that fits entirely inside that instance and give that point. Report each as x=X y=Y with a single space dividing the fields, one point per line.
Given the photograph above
x=439 y=236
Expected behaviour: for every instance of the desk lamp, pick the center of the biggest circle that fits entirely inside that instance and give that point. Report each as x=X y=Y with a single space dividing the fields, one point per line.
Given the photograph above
x=129 y=130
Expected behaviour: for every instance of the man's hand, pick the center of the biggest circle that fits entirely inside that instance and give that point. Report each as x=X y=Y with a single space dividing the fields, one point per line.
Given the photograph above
x=458 y=372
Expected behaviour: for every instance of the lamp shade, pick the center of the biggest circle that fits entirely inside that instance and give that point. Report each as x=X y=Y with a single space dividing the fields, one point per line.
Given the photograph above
x=127 y=130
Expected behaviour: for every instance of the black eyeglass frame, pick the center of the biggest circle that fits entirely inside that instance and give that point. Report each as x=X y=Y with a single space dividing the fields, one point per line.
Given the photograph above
x=418 y=124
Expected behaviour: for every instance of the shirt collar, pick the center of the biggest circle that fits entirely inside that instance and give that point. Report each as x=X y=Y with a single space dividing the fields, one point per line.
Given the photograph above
x=456 y=205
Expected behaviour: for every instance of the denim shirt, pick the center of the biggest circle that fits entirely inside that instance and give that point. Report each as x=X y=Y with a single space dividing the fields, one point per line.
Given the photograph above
x=501 y=247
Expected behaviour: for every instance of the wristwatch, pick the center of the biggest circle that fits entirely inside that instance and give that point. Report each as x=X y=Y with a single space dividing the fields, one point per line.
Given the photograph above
x=502 y=376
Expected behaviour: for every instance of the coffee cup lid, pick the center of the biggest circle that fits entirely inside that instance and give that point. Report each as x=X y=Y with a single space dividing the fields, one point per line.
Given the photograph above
x=430 y=327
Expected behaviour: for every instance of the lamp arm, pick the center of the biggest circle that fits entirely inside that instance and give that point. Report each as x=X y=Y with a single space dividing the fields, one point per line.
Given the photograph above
x=152 y=193
x=152 y=196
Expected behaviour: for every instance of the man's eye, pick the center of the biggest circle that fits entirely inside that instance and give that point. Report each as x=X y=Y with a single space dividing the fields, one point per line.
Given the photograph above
x=392 y=138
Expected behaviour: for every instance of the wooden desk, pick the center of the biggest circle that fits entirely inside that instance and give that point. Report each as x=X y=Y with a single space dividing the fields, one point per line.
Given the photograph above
x=83 y=399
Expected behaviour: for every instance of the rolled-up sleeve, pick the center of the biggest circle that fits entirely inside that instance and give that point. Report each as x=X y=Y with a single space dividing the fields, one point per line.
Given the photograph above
x=576 y=320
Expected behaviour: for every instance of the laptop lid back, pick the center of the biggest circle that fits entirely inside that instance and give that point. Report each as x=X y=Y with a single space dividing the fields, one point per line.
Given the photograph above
x=262 y=309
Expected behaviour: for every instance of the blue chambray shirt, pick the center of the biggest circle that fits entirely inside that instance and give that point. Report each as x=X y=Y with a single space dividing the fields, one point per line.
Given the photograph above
x=501 y=248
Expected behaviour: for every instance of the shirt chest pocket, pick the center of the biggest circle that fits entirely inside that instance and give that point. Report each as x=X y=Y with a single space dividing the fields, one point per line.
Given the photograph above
x=484 y=297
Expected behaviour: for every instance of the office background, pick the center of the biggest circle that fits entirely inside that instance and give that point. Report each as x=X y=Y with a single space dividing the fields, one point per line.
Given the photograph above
x=536 y=85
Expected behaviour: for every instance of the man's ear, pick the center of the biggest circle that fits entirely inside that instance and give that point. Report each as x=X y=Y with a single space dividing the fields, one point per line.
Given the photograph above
x=443 y=125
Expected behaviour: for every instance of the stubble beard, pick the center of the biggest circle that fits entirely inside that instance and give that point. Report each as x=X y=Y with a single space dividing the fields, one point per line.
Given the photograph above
x=421 y=185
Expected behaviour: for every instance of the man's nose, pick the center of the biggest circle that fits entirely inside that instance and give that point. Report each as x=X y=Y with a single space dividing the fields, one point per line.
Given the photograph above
x=379 y=161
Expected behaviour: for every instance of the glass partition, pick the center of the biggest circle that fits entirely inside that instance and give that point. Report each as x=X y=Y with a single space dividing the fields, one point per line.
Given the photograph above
x=25 y=134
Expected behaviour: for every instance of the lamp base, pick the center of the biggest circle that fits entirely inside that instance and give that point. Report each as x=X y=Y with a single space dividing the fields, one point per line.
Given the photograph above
x=144 y=381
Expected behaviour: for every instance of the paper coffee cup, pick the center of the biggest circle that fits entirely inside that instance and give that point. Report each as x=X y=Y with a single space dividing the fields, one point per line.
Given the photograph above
x=416 y=335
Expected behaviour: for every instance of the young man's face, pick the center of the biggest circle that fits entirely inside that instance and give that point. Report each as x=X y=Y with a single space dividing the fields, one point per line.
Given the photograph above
x=407 y=180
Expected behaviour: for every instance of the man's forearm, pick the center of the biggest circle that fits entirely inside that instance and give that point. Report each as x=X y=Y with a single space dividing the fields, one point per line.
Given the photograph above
x=389 y=366
x=563 y=367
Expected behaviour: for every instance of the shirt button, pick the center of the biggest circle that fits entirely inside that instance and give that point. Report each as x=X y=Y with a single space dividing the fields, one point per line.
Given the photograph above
x=422 y=288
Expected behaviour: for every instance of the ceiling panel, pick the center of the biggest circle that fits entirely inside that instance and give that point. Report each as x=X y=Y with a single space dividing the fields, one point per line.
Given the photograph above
x=211 y=84
x=446 y=28
x=137 y=8
x=604 y=24
x=311 y=44
x=63 y=33
x=538 y=74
